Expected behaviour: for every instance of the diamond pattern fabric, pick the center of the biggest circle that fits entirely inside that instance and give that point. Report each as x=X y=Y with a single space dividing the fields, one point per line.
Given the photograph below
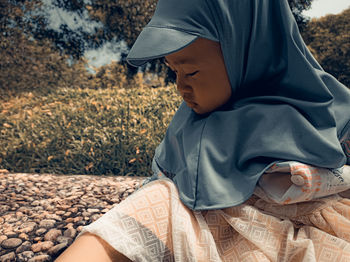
x=153 y=225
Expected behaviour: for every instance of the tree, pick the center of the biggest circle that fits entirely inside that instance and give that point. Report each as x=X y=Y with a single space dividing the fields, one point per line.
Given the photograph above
x=297 y=7
x=329 y=38
x=121 y=20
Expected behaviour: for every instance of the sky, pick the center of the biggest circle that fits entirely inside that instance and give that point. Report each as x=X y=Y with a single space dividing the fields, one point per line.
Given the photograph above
x=321 y=8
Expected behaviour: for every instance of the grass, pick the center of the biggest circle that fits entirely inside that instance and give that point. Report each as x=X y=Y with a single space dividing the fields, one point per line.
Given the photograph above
x=85 y=131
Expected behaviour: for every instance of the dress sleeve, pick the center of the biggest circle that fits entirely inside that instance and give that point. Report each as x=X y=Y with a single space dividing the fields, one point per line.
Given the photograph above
x=292 y=182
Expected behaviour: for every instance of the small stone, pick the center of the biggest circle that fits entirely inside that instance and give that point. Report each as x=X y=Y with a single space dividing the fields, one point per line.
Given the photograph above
x=42 y=246
x=67 y=214
x=24 y=247
x=73 y=209
x=69 y=225
x=8 y=257
x=95 y=217
x=11 y=243
x=40 y=258
x=25 y=256
x=93 y=210
x=35 y=203
x=63 y=206
x=27 y=227
x=77 y=219
x=23 y=236
x=40 y=231
x=86 y=214
x=37 y=239
x=54 y=216
x=52 y=235
x=60 y=212
x=19 y=214
x=2 y=238
x=47 y=223
x=70 y=232
x=63 y=239
x=10 y=234
x=56 y=250
x=69 y=220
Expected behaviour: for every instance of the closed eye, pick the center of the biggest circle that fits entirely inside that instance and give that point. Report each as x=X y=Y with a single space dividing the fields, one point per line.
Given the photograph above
x=192 y=74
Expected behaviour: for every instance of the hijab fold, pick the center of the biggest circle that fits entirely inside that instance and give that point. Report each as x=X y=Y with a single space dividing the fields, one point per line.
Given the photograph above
x=284 y=105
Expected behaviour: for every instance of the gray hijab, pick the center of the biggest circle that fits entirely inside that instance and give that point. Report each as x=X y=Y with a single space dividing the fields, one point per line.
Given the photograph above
x=284 y=105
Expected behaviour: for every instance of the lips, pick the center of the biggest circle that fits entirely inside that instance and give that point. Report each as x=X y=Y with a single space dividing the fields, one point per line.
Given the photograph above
x=190 y=103
x=188 y=98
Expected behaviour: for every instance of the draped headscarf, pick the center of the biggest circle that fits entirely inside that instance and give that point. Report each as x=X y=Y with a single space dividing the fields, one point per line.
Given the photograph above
x=284 y=106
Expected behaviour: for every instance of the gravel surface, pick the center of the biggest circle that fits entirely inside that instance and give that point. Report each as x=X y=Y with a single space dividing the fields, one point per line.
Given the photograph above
x=41 y=214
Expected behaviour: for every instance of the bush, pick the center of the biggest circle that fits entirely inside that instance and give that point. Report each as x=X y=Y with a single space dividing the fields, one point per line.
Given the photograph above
x=108 y=131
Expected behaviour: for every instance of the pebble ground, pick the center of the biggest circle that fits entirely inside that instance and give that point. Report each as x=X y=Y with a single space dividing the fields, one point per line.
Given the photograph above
x=41 y=214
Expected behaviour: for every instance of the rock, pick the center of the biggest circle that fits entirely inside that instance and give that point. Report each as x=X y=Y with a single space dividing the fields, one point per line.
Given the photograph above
x=2 y=238
x=77 y=219
x=73 y=209
x=37 y=239
x=23 y=236
x=52 y=235
x=70 y=232
x=25 y=256
x=60 y=212
x=86 y=214
x=56 y=250
x=63 y=239
x=11 y=243
x=10 y=234
x=24 y=247
x=93 y=210
x=95 y=217
x=35 y=203
x=42 y=246
x=54 y=216
x=69 y=220
x=40 y=258
x=27 y=227
x=10 y=257
x=47 y=223
x=40 y=231
x=19 y=214
x=69 y=225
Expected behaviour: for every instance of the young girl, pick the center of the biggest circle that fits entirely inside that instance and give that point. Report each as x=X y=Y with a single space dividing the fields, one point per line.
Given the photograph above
x=252 y=163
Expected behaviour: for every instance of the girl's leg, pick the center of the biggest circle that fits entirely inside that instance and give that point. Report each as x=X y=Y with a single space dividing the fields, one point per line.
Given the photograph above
x=90 y=247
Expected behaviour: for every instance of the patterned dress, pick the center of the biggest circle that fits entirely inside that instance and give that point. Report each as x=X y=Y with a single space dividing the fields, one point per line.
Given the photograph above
x=153 y=224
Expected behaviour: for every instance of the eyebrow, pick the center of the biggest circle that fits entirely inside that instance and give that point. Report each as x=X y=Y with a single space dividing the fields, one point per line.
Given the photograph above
x=180 y=62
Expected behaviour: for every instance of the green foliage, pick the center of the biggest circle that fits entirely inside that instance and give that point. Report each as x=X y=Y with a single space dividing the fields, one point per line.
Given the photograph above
x=85 y=131
x=329 y=39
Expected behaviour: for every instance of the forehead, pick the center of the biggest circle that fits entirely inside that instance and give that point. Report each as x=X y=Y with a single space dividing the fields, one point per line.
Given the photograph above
x=198 y=51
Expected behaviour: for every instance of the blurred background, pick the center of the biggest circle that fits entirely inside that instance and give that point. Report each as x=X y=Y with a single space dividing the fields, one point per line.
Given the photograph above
x=70 y=104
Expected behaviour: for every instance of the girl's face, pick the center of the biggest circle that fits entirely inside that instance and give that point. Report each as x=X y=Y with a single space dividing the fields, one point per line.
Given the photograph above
x=201 y=76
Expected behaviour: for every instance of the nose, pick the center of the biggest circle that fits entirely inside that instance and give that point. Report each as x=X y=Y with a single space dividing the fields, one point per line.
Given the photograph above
x=182 y=86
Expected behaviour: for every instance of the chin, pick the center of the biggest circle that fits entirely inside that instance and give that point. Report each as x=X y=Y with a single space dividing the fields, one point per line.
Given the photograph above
x=201 y=112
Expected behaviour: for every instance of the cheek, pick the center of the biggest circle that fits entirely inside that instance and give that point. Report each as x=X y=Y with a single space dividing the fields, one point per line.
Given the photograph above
x=213 y=88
